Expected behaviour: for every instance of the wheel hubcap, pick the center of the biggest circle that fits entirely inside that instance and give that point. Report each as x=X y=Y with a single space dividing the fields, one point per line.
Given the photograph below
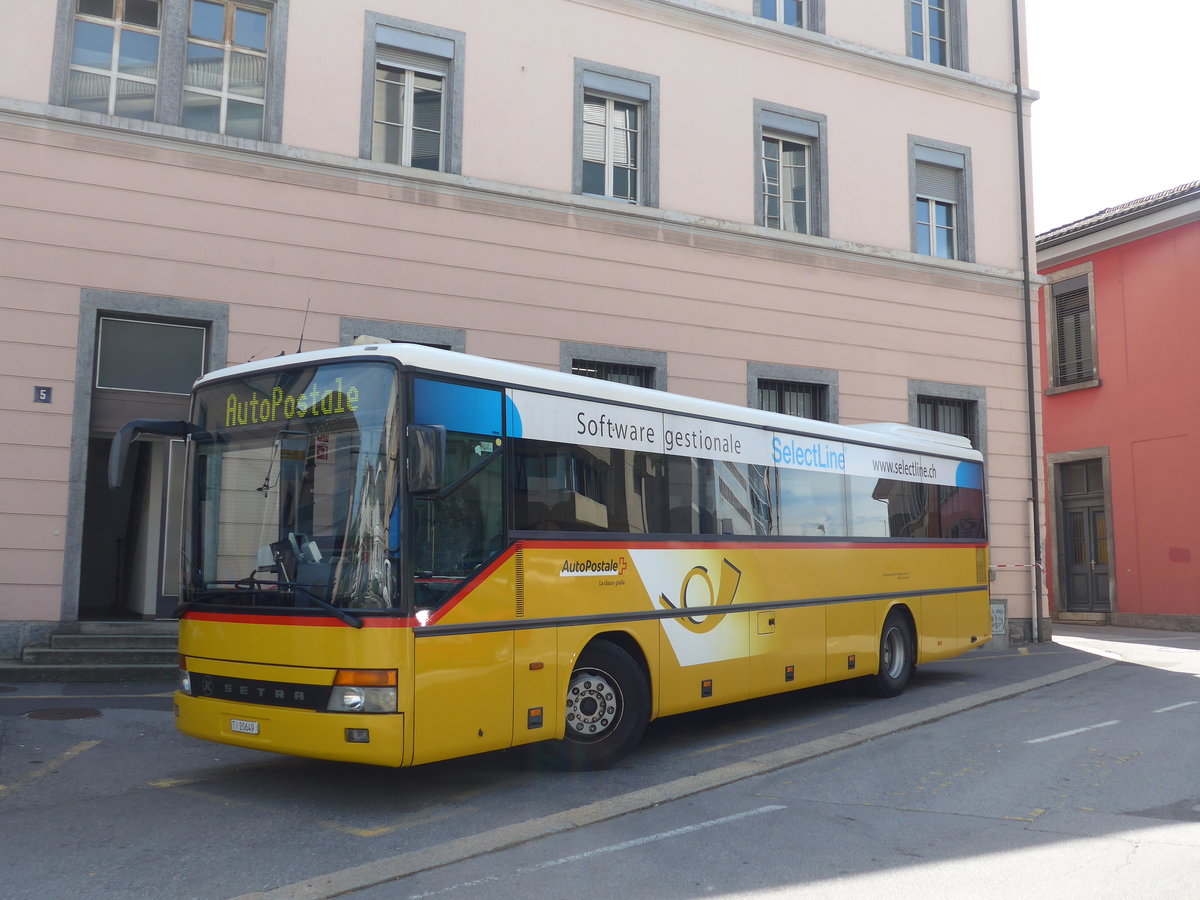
x=894 y=653
x=593 y=704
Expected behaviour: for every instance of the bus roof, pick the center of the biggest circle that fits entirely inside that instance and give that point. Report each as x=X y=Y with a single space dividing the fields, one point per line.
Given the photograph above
x=448 y=362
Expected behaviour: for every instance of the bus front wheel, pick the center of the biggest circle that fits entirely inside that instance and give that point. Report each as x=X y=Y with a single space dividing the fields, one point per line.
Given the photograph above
x=897 y=657
x=607 y=708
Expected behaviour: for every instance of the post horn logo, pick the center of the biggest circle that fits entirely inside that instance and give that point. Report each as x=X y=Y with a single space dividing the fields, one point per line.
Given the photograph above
x=720 y=595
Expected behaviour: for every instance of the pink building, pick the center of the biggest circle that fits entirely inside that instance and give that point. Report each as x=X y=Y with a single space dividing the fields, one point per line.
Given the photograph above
x=1122 y=310
x=811 y=206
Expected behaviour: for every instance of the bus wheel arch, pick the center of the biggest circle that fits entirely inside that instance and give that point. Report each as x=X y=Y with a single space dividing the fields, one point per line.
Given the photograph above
x=607 y=706
x=897 y=654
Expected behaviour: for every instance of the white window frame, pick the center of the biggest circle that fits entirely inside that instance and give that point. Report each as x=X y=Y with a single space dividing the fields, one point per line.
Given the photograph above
x=930 y=224
x=411 y=67
x=113 y=73
x=229 y=49
x=920 y=39
x=785 y=181
x=615 y=133
x=810 y=13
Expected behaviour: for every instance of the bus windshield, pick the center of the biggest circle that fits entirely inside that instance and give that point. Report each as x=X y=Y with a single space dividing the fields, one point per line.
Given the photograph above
x=293 y=489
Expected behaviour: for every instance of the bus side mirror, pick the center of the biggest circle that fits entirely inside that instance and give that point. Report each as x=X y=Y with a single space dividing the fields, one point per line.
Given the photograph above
x=426 y=458
x=126 y=436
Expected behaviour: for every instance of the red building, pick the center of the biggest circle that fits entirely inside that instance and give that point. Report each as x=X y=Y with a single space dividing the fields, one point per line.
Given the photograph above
x=1121 y=327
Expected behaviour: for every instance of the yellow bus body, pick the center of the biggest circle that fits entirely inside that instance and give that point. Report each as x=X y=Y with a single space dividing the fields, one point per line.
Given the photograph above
x=710 y=623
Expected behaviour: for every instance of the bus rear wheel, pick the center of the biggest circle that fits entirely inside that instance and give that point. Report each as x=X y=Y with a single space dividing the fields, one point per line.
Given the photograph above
x=607 y=708
x=897 y=657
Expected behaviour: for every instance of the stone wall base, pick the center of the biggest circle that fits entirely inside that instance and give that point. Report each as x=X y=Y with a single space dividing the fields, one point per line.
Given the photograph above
x=1165 y=623
x=15 y=636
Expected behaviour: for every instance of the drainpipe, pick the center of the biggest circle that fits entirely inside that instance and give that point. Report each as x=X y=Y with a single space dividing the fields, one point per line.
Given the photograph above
x=1027 y=287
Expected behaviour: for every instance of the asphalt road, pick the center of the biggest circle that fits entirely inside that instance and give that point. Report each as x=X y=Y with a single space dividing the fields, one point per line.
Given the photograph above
x=100 y=797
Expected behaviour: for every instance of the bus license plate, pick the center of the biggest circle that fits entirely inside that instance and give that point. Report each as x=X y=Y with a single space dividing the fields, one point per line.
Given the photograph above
x=243 y=726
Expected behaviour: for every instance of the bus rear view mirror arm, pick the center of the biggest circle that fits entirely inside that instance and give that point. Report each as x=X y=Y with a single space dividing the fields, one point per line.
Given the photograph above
x=128 y=434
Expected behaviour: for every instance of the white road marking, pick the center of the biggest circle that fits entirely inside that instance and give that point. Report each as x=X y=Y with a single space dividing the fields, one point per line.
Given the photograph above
x=1063 y=734
x=1177 y=706
x=611 y=848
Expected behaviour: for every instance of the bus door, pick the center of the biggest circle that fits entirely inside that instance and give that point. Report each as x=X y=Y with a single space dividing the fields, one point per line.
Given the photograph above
x=463 y=593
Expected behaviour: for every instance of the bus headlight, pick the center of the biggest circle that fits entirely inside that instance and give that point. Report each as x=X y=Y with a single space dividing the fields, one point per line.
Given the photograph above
x=185 y=677
x=363 y=691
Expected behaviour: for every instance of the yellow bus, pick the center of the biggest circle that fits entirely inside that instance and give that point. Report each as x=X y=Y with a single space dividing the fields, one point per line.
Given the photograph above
x=395 y=554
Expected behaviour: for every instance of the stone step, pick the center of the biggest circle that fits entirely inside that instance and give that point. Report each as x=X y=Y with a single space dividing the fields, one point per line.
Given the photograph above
x=114 y=641
x=41 y=654
x=17 y=672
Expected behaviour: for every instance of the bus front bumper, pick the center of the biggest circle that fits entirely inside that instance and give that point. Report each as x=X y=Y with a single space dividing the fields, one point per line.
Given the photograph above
x=376 y=739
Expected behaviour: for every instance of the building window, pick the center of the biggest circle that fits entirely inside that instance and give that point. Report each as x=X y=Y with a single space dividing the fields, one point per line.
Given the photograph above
x=408 y=114
x=929 y=31
x=953 y=416
x=941 y=200
x=412 y=110
x=937 y=32
x=793 y=390
x=209 y=65
x=785 y=184
x=807 y=14
x=623 y=365
x=225 y=79
x=621 y=373
x=1073 y=349
x=611 y=147
x=114 y=57
x=616 y=134
x=794 y=398
x=791 y=169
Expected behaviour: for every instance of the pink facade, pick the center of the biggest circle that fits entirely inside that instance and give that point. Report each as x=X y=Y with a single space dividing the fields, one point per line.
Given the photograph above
x=1120 y=439
x=495 y=245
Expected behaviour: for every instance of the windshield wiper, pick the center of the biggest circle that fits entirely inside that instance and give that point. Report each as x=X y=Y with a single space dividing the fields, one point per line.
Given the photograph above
x=348 y=618
x=253 y=585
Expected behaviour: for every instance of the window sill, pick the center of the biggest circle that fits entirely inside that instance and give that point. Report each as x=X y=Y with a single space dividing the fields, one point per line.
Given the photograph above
x=1068 y=388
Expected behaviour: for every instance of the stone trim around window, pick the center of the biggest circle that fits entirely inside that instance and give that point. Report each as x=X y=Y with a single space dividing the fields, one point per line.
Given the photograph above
x=620 y=84
x=93 y=303
x=1051 y=329
x=445 y=44
x=950 y=156
x=810 y=128
x=917 y=388
x=172 y=60
x=402 y=332
x=756 y=371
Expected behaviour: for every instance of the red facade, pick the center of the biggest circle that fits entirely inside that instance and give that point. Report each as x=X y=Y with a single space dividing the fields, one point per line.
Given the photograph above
x=1122 y=429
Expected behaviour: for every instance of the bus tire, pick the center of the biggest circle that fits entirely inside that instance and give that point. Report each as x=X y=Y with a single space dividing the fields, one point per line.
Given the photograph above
x=607 y=708
x=897 y=657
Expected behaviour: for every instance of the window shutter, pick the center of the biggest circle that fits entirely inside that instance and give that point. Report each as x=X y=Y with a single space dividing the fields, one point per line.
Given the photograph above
x=405 y=59
x=594 y=121
x=937 y=182
x=1073 y=337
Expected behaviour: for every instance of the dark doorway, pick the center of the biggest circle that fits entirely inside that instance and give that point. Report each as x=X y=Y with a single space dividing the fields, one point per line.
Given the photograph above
x=1083 y=519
